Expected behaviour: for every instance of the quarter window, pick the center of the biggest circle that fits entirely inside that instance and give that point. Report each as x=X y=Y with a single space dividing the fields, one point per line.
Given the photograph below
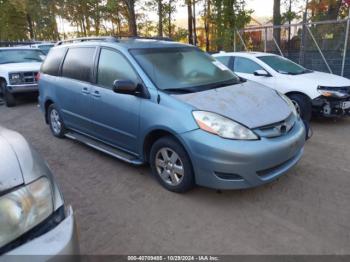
x=224 y=60
x=113 y=66
x=79 y=63
x=245 y=65
x=53 y=61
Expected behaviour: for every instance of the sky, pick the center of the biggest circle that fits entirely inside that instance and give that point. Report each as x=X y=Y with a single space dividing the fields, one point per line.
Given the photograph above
x=262 y=8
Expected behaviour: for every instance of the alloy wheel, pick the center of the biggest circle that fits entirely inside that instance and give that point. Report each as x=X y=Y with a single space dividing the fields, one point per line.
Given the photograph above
x=55 y=121
x=169 y=166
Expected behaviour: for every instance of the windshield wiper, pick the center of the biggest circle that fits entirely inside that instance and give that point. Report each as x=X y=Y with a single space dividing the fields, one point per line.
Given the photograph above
x=203 y=87
x=32 y=59
x=178 y=90
x=306 y=71
x=225 y=83
x=8 y=62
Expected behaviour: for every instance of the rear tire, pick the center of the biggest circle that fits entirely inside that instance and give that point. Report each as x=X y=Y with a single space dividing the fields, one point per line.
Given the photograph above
x=55 y=122
x=303 y=105
x=171 y=165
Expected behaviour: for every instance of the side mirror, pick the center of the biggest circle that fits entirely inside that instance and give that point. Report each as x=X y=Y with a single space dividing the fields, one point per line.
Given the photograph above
x=124 y=87
x=261 y=72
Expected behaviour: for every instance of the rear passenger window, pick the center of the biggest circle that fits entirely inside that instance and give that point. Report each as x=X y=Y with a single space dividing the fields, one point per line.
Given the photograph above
x=52 y=62
x=79 y=63
x=113 y=66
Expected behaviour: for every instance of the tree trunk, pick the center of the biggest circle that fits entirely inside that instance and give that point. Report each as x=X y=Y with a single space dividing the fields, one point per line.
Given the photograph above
x=160 y=18
x=30 y=27
x=169 y=19
x=194 y=23
x=207 y=14
x=289 y=23
x=189 y=21
x=333 y=10
x=277 y=20
x=131 y=17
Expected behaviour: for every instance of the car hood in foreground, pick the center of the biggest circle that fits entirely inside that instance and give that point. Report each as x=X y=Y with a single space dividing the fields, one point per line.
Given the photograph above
x=21 y=67
x=19 y=163
x=10 y=170
x=248 y=103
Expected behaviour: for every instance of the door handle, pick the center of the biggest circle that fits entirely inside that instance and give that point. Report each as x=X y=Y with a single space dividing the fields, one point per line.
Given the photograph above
x=96 y=93
x=85 y=90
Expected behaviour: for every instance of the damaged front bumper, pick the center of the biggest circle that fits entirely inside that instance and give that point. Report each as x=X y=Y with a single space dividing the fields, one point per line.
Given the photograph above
x=331 y=106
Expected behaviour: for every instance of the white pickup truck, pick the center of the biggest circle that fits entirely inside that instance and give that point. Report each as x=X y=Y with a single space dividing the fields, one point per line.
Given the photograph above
x=18 y=72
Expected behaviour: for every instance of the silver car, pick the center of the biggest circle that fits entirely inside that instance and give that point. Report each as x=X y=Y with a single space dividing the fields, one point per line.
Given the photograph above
x=33 y=217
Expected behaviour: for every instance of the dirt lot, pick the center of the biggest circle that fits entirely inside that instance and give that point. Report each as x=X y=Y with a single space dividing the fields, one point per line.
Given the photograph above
x=122 y=210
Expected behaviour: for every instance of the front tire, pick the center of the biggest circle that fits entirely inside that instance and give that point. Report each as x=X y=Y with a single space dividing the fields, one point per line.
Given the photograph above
x=56 y=122
x=171 y=165
x=9 y=98
x=303 y=106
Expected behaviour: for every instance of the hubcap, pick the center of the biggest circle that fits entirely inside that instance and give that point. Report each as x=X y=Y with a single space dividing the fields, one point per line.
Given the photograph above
x=55 y=121
x=169 y=166
x=297 y=107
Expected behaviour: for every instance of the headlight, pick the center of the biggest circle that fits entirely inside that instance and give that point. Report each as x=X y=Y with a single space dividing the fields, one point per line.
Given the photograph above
x=15 y=78
x=222 y=126
x=332 y=92
x=23 y=209
x=289 y=103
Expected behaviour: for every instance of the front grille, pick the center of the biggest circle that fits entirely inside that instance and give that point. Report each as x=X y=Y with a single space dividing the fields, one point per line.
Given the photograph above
x=26 y=78
x=277 y=129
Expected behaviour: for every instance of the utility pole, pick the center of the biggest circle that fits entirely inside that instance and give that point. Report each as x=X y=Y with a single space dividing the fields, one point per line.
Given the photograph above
x=303 y=36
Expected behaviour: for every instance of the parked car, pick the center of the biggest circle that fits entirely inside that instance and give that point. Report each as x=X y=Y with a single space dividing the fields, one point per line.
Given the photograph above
x=312 y=92
x=173 y=106
x=18 y=71
x=33 y=217
x=44 y=47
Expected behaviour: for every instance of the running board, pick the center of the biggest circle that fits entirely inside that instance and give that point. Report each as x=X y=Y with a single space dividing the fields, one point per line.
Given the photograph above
x=114 y=152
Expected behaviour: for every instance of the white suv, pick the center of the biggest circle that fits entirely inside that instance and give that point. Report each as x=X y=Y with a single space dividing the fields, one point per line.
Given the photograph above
x=311 y=91
x=18 y=72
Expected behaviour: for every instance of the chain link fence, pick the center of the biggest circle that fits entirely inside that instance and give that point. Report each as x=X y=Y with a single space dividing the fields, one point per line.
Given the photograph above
x=322 y=46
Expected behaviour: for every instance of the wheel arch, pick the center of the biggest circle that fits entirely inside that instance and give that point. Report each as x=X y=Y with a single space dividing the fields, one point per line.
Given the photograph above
x=47 y=103
x=153 y=135
x=298 y=93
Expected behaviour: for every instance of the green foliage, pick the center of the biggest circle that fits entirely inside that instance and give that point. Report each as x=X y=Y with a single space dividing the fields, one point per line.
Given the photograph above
x=228 y=16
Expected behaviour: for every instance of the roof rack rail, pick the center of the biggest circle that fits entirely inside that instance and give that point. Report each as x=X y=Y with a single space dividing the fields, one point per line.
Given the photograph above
x=151 y=38
x=85 y=39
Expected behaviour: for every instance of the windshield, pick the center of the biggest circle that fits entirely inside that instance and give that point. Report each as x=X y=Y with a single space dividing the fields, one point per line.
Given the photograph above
x=183 y=69
x=20 y=56
x=283 y=65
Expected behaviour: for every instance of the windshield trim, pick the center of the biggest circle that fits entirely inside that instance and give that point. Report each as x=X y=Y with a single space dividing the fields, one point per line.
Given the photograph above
x=167 y=90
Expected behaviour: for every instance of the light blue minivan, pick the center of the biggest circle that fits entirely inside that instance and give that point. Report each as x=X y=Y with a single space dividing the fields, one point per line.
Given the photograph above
x=173 y=106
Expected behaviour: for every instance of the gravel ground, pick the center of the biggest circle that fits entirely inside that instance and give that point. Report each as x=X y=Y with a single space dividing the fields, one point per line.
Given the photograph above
x=121 y=209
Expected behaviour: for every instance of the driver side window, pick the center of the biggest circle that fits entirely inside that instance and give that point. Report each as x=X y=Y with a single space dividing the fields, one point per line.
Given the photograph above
x=113 y=66
x=245 y=65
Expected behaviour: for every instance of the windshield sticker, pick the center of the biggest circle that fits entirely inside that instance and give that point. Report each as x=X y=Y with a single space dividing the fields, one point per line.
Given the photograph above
x=221 y=66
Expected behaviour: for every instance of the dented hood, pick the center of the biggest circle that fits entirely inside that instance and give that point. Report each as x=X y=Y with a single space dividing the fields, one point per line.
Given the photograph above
x=249 y=103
